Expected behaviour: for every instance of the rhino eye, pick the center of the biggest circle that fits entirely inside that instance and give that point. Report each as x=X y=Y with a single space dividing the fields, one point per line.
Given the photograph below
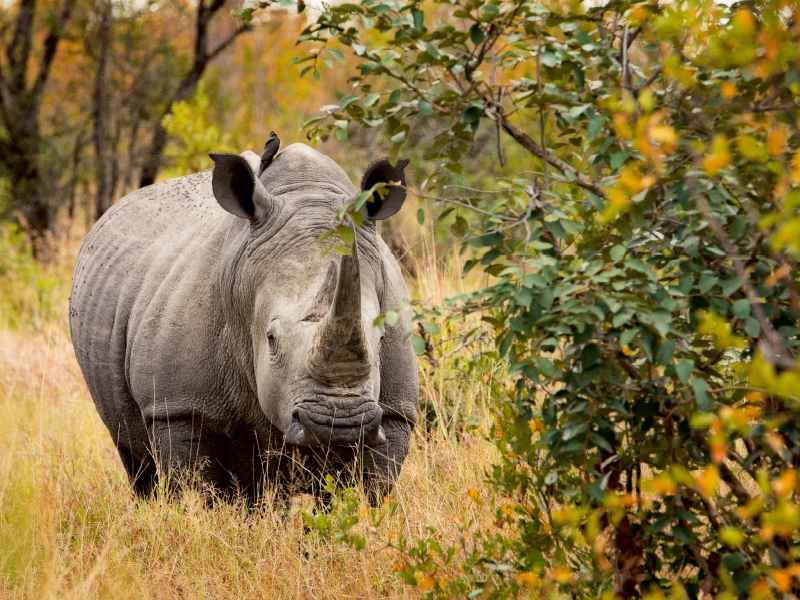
x=272 y=339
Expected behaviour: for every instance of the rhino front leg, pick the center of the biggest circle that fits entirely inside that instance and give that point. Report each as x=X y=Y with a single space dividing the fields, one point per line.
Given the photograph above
x=187 y=455
x=382 y=463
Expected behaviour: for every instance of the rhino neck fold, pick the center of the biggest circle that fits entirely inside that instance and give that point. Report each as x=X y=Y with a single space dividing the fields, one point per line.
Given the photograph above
x=340 y=354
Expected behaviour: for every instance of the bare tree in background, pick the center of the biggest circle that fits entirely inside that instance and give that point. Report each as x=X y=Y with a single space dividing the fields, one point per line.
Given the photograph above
x=22 y=85
x=201 y=58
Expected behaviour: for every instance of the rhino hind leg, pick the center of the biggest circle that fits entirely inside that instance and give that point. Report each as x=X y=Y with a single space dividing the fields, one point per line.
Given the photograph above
x=141 y=471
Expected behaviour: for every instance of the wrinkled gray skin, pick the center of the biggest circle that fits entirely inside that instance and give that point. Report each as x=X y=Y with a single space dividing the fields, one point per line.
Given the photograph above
x=217 y=342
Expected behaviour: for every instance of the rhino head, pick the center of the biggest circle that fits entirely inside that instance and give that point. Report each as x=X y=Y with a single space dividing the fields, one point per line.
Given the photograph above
x=303 y=321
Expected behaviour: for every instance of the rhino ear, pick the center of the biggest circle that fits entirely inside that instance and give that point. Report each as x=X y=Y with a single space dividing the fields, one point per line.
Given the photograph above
x=236 y=188
x=382 y=171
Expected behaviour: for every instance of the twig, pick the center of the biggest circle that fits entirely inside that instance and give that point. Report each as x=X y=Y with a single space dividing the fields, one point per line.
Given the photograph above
x=758 y=109
x=626 y=75
x=457 y=203
x=649 y=81
x=500 y=155
x=742 y=495
x=779 y=354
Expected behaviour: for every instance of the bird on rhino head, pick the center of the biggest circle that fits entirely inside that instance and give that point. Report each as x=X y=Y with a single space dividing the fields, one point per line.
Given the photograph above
x=213 y=341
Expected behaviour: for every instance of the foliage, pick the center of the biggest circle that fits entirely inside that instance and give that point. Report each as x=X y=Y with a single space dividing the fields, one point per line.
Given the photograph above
x=25 y=289
x=193 y=136
x=642 y=279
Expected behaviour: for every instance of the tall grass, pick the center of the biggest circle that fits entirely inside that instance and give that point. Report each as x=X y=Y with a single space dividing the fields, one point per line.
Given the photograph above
x=70 y=528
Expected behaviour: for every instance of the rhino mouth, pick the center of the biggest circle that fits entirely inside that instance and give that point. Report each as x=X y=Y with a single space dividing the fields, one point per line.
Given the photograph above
x=332 y=423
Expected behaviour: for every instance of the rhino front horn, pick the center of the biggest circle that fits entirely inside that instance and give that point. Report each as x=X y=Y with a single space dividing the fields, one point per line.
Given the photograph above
x=339 y=352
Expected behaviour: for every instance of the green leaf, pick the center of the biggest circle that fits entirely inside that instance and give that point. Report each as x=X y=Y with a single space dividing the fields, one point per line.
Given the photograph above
x=700 y=388
x=549 y=59
x=733 y=561
x=399 y=137
x=418 y=16
x=391 y=318
x=732 y=285
x=665 y=353
x=751 y=327
x=741 y=308
x=617 y=253
x=619 y=158
x=418 y=344
x=346 y=234
x=394 y=153
x=684 y=534
x=472 y=114
x=460 y=227
x=594 y=127
x=684 y=370
x=420 y=216
x=371 y=99
x=476 y=34
x=347 y=100
x=336 y=54
x=431 y=328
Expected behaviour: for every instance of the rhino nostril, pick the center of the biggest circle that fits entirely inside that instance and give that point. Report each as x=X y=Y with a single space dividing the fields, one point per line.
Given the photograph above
x=377 y=438
x=296 y=435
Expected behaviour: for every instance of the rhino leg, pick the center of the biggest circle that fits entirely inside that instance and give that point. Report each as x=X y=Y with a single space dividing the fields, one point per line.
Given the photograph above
x=382 y=463
x=188 y=455
x=141 y=471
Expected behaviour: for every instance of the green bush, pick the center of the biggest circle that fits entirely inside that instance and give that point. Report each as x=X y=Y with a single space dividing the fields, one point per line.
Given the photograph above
x=26 y=291
x=643 y=284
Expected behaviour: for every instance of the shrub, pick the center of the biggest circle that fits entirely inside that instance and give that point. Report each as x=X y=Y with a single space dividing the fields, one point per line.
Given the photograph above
x=642 y=250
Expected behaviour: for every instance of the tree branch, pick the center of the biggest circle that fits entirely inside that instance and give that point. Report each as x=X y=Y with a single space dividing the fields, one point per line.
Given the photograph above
x=526 y=142
x=227 y=42
x=50 y=46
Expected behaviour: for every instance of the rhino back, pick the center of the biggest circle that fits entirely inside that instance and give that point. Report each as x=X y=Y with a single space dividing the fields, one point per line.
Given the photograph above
x=144 y=303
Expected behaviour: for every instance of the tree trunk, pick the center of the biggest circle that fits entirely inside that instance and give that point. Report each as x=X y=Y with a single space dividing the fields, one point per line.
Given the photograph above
x=21 y=102
x=100 y=115
x=188 y=85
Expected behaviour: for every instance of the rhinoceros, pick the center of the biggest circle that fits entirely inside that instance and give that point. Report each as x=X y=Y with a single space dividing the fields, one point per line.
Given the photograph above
x=217 y=339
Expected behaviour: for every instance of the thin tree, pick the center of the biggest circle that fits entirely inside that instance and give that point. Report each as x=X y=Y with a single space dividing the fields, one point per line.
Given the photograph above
x=201 y=58
x=21 y=101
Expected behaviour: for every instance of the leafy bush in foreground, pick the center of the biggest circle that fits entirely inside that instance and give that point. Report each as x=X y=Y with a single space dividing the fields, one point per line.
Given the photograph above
x=644 y=282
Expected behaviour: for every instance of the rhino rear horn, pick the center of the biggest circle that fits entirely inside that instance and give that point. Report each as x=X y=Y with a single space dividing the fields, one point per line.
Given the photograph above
x=236 y=187
x=383 y=171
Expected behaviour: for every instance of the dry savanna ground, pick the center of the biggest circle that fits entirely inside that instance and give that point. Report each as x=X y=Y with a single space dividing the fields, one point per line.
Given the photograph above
x=69 y=527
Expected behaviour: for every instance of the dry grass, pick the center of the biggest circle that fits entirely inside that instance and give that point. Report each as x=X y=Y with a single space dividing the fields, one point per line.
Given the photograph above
x=69 y=527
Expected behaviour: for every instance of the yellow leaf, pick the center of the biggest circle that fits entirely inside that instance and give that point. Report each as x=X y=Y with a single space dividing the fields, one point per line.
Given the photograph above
x=719 y=157
x=729 y=90
x=743 y=22
x=425 y=582
x=751 y=148
x=785 y=484
x=782 y=580
x=562 y=574
x=663 y=134
x=709 y=481
x=536 y=425
x=731 y=537
x=776 y=139
x=528 y=579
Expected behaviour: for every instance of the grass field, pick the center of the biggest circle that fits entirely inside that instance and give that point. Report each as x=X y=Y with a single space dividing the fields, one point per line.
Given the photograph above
x=69 y=527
